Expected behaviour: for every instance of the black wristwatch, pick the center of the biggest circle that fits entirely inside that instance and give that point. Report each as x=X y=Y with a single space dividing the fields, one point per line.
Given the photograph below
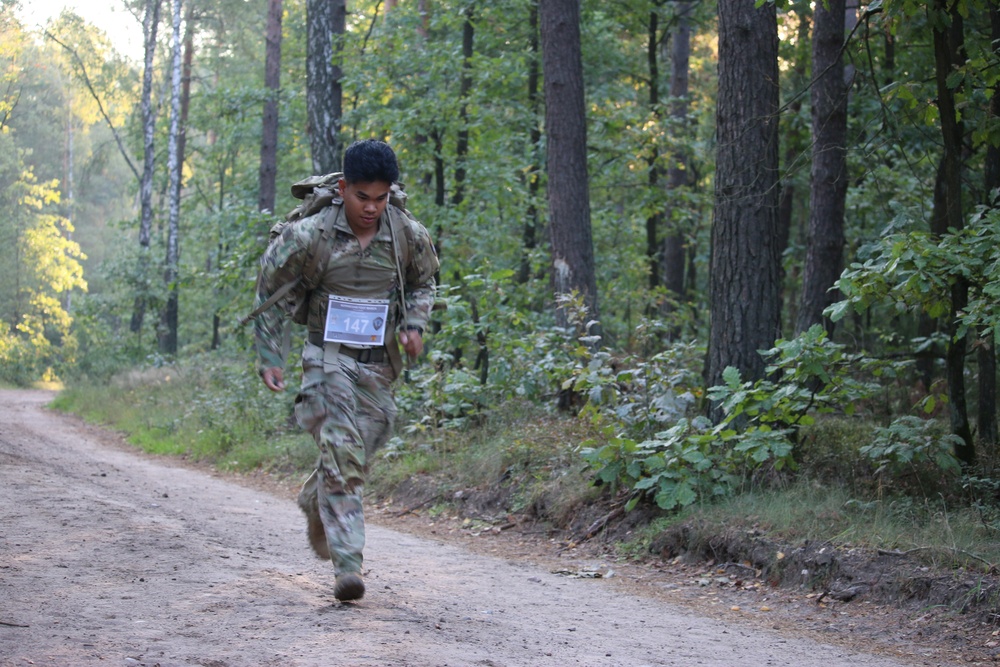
x=413 y=327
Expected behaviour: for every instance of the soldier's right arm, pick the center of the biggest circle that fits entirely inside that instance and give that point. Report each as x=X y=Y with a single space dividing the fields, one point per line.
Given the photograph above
x=282 y=262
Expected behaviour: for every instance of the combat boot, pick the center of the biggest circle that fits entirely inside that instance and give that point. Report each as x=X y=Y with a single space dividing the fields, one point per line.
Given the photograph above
x=350 y=586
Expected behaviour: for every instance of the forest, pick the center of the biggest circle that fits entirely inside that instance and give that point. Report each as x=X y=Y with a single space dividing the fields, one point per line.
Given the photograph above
x=715 y=232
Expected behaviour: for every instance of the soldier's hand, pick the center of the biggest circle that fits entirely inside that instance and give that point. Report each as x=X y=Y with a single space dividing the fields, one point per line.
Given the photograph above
x=412 y=342
x=274 y=378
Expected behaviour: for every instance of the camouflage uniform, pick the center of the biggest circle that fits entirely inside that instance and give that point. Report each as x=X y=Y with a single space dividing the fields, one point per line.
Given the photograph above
x=346 y=400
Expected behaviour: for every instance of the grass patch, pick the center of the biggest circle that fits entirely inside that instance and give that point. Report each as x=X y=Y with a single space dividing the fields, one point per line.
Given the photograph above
x=523 y=459
x=816 y=513
x=206 y=408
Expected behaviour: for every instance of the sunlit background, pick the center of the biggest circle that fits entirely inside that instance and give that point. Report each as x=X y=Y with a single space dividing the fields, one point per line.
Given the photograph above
x=111 y=16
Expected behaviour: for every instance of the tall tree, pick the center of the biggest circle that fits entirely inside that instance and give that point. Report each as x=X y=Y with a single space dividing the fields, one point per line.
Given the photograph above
x=150 y=25
x=175 y=165
x=986 y=356
x=465 y=87
x=325 y=26
x=654 y=253
x=828 y=188
x=566 y=165
x=269 y=136
x=794 y=142
x=68 y=196
x=678 y=174
x=745 y=289
x=529 y=234
x=949 y=53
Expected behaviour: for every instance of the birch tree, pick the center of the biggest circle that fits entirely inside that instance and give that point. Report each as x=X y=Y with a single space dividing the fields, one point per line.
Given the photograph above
x=325 y=26
x=150 y=24
x=168 y=328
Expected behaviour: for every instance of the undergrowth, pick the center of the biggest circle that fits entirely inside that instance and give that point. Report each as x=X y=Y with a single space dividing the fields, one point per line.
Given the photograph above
x=204 y=408
x=841 y=484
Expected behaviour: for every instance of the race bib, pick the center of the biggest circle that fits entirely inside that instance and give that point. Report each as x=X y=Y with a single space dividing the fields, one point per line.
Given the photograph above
x=356 y=321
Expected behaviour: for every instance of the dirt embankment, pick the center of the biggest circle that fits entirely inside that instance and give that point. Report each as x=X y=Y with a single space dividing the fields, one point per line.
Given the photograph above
x=108 y=557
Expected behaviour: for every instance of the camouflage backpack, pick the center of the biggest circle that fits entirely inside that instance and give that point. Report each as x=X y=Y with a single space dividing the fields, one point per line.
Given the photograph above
x=318 y=193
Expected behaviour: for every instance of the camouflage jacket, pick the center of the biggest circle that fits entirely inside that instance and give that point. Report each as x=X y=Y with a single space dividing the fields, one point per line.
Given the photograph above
x=352 y=272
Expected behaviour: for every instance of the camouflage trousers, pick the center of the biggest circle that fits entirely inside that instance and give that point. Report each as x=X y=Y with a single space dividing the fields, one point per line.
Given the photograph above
x=349 y=409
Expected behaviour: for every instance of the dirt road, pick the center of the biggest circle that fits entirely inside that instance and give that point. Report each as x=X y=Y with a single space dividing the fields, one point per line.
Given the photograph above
x=110 y=558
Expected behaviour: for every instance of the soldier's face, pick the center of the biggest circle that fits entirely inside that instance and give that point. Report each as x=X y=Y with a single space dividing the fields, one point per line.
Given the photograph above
x=364 y=204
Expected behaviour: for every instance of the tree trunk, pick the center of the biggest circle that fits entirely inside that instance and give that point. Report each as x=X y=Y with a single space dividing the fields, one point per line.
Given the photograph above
x=530 y=233
x=439 y=184
x=678 y=174
x=267 y=189
x=948 y=53
x=745 y=287
x=150 y=23
x=828 y=189
x=325 y=26
x=986 y=361
x=186 y=81
x=465 y=87
x=175 y=163
x=425 y=19
x=654 y=253
x=794 y=148
x=986 y=351
x=566 y=164
x=69 y=198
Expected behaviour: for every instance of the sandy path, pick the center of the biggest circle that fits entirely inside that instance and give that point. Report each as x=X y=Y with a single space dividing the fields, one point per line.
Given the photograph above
x=110 y=558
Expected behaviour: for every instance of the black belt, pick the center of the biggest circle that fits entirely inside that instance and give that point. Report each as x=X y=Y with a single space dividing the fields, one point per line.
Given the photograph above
x=363 y=355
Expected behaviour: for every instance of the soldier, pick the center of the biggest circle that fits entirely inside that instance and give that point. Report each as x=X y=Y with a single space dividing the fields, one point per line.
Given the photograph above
x=365 y=299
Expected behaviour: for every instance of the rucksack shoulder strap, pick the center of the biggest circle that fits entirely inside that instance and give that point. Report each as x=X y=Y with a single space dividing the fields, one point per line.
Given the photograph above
x=322 y=247
x=278 y=295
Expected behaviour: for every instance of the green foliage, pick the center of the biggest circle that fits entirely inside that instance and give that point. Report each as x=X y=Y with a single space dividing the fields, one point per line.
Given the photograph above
x=490 y=350
x=684 y=464
x=910 y=443
x=811 y=375
x=914 y=271
x=697 y=460
x=43 y=267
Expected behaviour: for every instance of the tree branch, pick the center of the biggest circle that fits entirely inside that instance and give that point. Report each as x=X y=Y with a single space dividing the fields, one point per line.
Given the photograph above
x=9 y=112
x=97 y=99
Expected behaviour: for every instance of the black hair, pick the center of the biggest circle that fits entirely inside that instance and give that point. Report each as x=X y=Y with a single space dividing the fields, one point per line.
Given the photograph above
x=370 y=160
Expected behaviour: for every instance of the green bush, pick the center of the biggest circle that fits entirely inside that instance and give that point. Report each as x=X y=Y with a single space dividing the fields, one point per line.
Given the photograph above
x=757 y=429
